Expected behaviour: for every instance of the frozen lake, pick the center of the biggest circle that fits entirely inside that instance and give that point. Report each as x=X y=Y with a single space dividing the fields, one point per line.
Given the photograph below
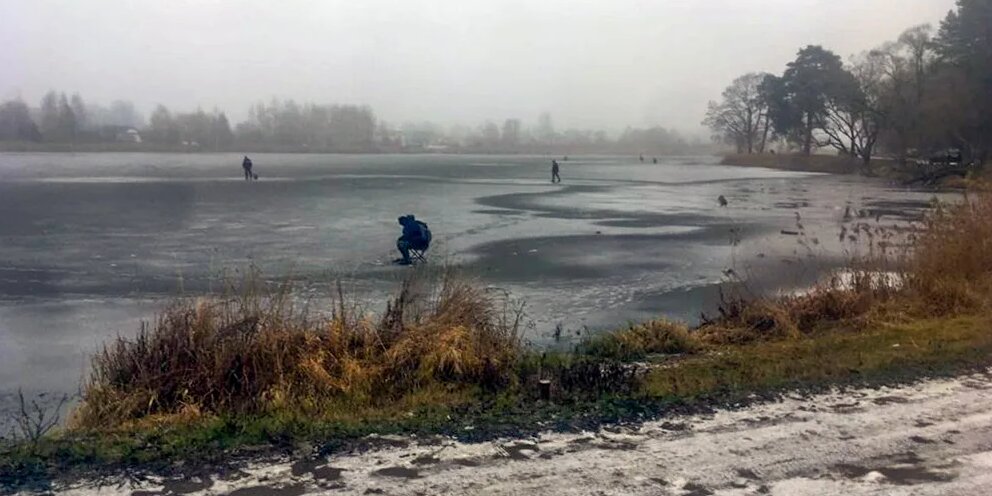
x=91 y=244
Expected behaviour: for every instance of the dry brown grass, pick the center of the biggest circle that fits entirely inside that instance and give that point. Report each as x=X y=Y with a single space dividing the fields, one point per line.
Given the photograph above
x=256 y=353
x=639 y=341
x=950 y=270
x=946 y=270
x=796 y=162
x=850 y=297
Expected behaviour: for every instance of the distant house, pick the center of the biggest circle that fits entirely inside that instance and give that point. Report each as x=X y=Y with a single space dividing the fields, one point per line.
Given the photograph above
x=437 y=147
x=129 y=135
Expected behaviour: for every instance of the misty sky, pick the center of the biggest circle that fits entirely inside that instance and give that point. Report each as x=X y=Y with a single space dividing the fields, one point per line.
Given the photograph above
x=604 y=64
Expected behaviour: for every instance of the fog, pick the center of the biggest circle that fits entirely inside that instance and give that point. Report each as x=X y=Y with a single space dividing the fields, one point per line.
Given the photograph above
x=605 y=64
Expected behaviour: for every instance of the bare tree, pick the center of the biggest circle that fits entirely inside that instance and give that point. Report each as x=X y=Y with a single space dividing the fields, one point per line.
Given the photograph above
x=857 y=108
x=79 y=111
x=50 y=116
x=545 y=132
x=741 y=119
x=920 y=52
x=907 y=66
x=511 y=132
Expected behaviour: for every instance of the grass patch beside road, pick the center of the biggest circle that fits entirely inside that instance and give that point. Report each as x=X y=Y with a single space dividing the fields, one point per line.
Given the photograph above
x=833 y=356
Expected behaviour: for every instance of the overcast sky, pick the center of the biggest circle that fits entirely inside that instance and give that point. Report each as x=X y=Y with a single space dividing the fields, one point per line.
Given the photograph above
x=604 y=63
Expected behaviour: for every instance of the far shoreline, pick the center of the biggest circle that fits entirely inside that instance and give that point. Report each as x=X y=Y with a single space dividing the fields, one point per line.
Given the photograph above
x=27 y=147
x=828 y=164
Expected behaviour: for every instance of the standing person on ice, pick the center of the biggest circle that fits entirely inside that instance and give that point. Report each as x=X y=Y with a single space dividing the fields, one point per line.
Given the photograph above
x=555 y=178
x=246 y=165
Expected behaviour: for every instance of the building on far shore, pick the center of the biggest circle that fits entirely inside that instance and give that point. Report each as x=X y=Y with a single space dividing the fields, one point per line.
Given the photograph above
x=129 y=135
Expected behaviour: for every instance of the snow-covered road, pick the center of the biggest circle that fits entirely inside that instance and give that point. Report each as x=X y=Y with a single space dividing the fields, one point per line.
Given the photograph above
x=933 y=437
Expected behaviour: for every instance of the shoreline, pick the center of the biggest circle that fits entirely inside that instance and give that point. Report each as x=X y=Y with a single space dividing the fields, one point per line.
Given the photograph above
x=827 y=164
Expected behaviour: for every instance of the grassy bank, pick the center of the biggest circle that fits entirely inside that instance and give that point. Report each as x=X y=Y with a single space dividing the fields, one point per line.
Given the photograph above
x=217 y=378
x=949 y=178
x=831 y=164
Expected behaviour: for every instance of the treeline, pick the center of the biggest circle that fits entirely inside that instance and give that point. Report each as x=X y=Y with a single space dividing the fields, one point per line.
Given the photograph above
x=290 y=126
x=62 y=119
x=319 y=127
x=921 y=94
x=513 y=136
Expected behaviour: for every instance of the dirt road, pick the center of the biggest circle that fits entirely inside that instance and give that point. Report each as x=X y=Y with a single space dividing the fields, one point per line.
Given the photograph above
x=933 y=437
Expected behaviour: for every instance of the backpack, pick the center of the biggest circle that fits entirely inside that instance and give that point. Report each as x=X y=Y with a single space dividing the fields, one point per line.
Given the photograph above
x=425 y=232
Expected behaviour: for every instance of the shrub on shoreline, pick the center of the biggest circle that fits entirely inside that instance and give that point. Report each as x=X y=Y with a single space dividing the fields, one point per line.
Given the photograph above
x=256 y=353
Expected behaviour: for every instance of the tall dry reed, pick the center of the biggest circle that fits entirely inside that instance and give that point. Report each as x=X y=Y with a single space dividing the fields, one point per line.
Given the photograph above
x=257 y=351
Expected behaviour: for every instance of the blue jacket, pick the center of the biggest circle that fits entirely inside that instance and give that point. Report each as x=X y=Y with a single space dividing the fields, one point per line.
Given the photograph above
x=416 y=232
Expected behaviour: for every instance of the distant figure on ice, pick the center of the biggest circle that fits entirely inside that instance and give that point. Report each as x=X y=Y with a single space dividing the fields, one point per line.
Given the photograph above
x=654 y=160
x=555 y=178
x=246 y=165
x=641 y=157
x=416 y=236
x=565 y=158
x=722 y=200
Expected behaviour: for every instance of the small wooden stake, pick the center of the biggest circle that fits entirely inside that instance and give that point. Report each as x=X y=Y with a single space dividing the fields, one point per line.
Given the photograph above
x=544 y=386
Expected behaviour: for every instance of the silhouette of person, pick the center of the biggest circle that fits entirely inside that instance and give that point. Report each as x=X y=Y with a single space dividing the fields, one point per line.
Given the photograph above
x=555 y=178
x=654 y=160
x=641 y=157
x=246 y=165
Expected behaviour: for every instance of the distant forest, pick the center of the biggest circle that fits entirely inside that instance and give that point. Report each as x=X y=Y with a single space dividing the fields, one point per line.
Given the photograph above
x=920 y=95
x=63 y=122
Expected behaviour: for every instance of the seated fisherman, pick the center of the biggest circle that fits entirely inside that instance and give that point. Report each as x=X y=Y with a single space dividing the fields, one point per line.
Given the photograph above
x=415 y=236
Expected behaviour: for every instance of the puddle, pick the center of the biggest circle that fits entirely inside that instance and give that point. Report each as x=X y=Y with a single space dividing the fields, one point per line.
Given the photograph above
x=747 y=474
x=902 y=476
x=516 y=451
x=186 y=486
x=292 y=490
x=889 y=400
x=403 y=472
x=693 y=489
x=313 y=467
x=617 y=445
x=914 y=475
